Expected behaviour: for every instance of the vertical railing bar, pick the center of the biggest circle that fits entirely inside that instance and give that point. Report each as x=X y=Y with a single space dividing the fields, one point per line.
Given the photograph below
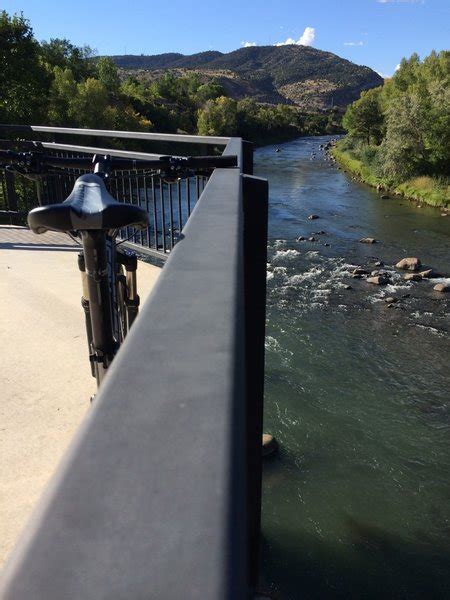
x=188 y=196
x=155 y=216
x=180 y=215
x=138 y=192
x=130 y=200
x=163 y=215
x=124 y=196
x=147 y=208
x=116 y=192
x=171 y=216
x=3 y=191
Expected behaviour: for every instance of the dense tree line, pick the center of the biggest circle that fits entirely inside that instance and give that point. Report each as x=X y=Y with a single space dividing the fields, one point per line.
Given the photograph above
x=402 y=130
x=57 y=83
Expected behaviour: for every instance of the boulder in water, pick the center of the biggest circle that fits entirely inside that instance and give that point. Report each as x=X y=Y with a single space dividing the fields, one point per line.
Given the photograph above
x=368 y=240
x=378 y=280
x=409 y=264
x=442 y=287
x=360 y=271
x=428 y=274
x=269 y=445
x=312 y=217
x=390 y=300
x=301 y=238
x=311 y=239
x=412 y=277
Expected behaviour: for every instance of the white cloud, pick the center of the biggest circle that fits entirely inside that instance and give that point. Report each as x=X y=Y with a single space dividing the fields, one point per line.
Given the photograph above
x=248 y=44
x=306 y=39
x=397 y=67
x=353 y=43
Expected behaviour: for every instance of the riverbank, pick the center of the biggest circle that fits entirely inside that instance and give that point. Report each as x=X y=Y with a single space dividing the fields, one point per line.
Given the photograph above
x=419 y=189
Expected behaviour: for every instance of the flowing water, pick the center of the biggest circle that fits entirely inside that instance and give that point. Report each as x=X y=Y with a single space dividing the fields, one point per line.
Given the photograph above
x=357 y=504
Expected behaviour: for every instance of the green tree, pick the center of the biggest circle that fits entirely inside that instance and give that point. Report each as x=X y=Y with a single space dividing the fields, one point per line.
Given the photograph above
x=218 y=117
x=23 y=80
x=61 y=53
x=63 y=91
x=364 y=118
x=108 y=74
x=90 y=106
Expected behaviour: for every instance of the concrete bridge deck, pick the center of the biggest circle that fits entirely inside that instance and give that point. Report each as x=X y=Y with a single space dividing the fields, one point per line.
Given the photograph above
x=45 y=376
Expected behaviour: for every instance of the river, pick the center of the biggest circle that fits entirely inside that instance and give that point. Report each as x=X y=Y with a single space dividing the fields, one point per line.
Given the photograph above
x=357 y=504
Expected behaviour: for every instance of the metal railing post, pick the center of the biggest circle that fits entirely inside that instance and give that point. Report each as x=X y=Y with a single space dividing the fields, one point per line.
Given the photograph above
x=11 y=196
x=255 y=204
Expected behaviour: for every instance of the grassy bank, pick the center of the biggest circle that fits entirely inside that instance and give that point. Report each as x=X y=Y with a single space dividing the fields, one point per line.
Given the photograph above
x=435 y=192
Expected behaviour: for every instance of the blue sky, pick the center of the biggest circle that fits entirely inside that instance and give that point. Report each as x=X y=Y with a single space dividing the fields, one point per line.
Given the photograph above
x=377 y=33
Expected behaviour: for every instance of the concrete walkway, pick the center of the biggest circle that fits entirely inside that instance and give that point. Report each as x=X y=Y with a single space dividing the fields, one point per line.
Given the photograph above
x=45 y=376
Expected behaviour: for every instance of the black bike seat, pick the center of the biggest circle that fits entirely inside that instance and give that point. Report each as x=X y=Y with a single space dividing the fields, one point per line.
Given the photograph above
x=89 y=206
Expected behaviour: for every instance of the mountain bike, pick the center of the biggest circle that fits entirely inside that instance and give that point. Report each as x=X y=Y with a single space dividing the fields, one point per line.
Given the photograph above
x=92 y=216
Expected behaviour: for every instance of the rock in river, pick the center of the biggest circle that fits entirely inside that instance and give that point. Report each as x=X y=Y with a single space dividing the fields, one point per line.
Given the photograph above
x=269 y=444
x=442 y=287
x=312 y=217
x=368 y=240
x=412 y=277
x=428 y=274
x=409 y=264
x=378 y=280
x=360 y=271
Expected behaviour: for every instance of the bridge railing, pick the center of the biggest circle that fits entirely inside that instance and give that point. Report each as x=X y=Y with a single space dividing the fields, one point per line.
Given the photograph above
x=159 y=493
x=169 y=203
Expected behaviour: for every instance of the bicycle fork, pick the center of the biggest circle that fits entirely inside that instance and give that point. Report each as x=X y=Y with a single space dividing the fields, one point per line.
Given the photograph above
x=96 y=302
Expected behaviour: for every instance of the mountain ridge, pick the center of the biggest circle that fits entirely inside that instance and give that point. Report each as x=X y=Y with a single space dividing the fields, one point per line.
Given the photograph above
x=299 y=75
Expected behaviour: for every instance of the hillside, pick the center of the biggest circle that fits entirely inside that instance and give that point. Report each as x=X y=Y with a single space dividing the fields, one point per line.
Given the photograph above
x=301 y=75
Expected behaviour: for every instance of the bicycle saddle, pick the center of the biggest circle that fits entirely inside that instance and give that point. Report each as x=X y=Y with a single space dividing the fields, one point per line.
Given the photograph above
x=89 y=206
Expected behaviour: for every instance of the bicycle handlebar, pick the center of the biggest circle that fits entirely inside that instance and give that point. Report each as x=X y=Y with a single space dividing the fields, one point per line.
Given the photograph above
x=36 y=160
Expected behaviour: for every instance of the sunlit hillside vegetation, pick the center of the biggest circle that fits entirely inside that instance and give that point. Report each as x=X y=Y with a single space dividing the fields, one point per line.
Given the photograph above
x=399 y=134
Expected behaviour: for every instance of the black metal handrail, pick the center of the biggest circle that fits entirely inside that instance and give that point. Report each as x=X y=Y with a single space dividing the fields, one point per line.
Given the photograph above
x=169 y=204
x=159 y=494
